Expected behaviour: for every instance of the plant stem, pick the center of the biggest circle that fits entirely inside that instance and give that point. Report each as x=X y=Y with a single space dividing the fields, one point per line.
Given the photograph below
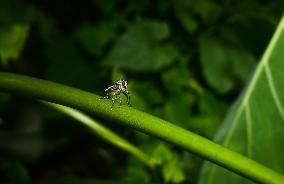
x=140 y=121
x=103 y=132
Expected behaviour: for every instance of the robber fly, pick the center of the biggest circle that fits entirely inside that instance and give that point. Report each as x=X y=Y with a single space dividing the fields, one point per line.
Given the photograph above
x=115 y=90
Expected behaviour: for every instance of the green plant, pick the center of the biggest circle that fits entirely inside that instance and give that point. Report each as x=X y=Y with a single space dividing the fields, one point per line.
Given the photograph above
x=152 y=125
x=103 y=132
x=186 y=61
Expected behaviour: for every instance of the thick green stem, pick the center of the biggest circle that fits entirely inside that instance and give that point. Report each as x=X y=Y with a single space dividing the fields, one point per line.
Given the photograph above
x=140 y=121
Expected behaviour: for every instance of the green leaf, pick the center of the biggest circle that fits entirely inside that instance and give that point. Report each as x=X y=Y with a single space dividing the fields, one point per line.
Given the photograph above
x=178 y=109
x=177 y=79
x=95 y=37
x=184 y=13
x=189 y=23
x=222 y=65
x=140 y=49
x=12 y=40
x=188 y=12
x=144 y=95
x=254 y=126
x=208 y=10
x=148 y=91
x=162 y=153
x=172 y=172
x=171 y=169
x=211 y=111
x=141 y=121
x=214 y=64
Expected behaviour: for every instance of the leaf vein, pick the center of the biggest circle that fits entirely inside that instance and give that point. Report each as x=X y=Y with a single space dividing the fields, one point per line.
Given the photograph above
x=249 y=130
x=263 y=62
x=274 y=92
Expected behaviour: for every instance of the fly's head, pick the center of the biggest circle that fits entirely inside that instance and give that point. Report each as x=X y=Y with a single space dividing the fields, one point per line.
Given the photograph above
x=122 y=85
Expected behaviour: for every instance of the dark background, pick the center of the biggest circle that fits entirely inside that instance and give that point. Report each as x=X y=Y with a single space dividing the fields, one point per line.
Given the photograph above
x=186 y=61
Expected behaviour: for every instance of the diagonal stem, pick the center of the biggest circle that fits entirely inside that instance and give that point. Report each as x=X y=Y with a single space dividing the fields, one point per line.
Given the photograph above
x=130 y=117
x=104 y=133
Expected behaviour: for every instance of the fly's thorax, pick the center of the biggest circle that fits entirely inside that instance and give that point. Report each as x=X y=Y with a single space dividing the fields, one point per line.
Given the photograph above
x=116 y=89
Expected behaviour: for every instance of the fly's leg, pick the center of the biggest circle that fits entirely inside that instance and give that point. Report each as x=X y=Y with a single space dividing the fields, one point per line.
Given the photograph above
x=128 y=102
x=120 y=101
x=117 y=95
x=105 y=97
x=126 y=93
x=112 y=100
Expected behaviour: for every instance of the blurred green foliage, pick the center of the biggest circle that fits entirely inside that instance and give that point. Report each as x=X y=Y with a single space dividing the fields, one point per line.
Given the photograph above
x=185 y=60
x=12 y=40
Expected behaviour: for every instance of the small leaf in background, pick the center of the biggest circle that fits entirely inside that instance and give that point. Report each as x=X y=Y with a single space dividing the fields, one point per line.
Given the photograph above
x=162 y=152
x=211 y=112
x=139 y=48
x=144 y=95
x=189 y=23
x=208 y=10
x=210 y=104
x=222 y=65
x=188 y=13
x=254 y=125
x=178 y=110
x=177 y=79
x=148 y=91
x=185 y=16
x=12 y=40
x=215 y=67
x=243 y=63
x=94 y=38
x=177 y=82
x=171 y=169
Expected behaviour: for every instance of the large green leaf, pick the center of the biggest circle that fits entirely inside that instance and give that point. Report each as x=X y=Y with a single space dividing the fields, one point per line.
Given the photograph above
x=255 y=124
x=94 y=38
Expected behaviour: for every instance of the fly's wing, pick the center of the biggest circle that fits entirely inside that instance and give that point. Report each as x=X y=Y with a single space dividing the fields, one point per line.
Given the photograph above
x=110 y=89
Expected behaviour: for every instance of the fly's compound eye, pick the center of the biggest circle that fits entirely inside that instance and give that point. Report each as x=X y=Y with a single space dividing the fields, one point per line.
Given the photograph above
x=124 y=83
